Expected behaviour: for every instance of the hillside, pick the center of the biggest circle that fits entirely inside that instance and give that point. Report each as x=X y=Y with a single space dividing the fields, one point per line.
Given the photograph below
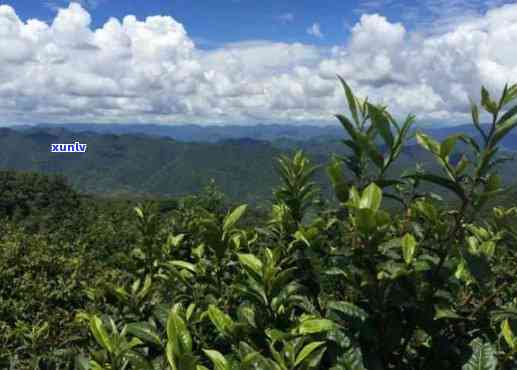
x=138 y=164
x=142 y=164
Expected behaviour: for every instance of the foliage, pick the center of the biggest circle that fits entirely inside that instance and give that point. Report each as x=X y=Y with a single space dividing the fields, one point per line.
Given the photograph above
x=315 y=285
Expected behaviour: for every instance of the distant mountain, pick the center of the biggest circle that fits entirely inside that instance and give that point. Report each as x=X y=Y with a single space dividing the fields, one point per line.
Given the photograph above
x=140 y=164
x=197 y=133
x=266 y=132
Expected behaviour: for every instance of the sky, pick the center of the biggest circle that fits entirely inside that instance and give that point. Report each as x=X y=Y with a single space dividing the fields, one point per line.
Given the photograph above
x=248 y=62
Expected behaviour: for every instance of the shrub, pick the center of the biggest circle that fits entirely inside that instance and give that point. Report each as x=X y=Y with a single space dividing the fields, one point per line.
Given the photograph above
x=427 y=285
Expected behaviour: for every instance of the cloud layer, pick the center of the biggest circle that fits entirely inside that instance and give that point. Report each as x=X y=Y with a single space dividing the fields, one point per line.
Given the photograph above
x=150 y=70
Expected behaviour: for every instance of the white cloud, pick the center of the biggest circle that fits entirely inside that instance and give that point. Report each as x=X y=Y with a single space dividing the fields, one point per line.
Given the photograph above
x=57 y=4
x=150 y=70
x=315 y=30
x=286 y=17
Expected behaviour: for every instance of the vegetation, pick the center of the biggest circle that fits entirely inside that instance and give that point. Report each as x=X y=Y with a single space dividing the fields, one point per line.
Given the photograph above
x=316 y=284
x=145 y=166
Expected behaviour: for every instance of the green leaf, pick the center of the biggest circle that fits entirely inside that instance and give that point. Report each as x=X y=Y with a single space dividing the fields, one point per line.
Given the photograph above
x=178 y=333
x=175 y=240
x=144 y=331
x=349 y=309
x=470 y=141
x=461 y=166
x=247 y=314
x=484 y=163
x=382 y=218
x=190 y=310
x=371 y=197
x=252 y=262
x=381 y=122
x=402 y=135
x=486 y=102
x=494 y=183
x=447 y=146
x=82 y=363
x=511 y=95
x=139 y=212
x=276 y=335
x=169 y=353
x=348 y=126
x=335 y=271
x=428 y=143
x=138 y=361
x=408 y=243
x=314 y=359
x=182 y=264
x=306 y=351
x=312 y=326
x=146 y=288
x=352 y=359
x=250 y=359
x=503 y=96
x=366 y=220
x=483 y=356
x=445 y=313
x=100 y=334
x=478 y=266
x=442 y=181
x=217 y=359
x=487 y=248
x=352 y=104
x=503 y=130
x=221 y=321
x=94 y=365
x=339 y=184
x=508 y=336
x=161 y=312
x=475 y=119
x=234 y=217
x=508 y=115
x=371 y=150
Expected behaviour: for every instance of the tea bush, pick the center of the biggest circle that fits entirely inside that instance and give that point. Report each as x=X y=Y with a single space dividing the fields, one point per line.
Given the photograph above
x=429 y=284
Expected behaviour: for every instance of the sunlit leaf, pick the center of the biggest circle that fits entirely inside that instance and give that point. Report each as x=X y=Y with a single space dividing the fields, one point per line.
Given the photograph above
x=234 y=217
x=482 y=358
x=408 y=243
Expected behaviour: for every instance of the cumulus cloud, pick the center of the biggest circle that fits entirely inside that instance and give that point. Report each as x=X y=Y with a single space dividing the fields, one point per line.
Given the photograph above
x=315 y=30
x=150 y=70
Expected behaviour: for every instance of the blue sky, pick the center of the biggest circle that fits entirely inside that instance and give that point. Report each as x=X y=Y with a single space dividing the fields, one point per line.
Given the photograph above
x=212 y=23
x=244 y=61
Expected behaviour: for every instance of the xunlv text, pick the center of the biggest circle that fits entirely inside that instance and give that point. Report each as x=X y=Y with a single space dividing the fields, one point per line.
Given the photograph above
x=68 y=148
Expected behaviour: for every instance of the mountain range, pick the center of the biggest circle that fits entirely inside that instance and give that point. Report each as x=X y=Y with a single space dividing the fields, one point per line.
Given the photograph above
x=130 y=162
x=266 y=132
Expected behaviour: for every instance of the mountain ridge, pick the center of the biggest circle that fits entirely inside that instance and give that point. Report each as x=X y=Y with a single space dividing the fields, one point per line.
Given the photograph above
x=143 y=164
x=264 y=132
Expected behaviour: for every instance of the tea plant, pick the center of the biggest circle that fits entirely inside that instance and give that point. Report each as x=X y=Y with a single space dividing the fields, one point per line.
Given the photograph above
x=428 y=284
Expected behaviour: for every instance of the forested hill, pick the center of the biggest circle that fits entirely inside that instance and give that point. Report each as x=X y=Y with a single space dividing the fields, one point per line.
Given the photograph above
x=137 y=164
x=140 y=164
